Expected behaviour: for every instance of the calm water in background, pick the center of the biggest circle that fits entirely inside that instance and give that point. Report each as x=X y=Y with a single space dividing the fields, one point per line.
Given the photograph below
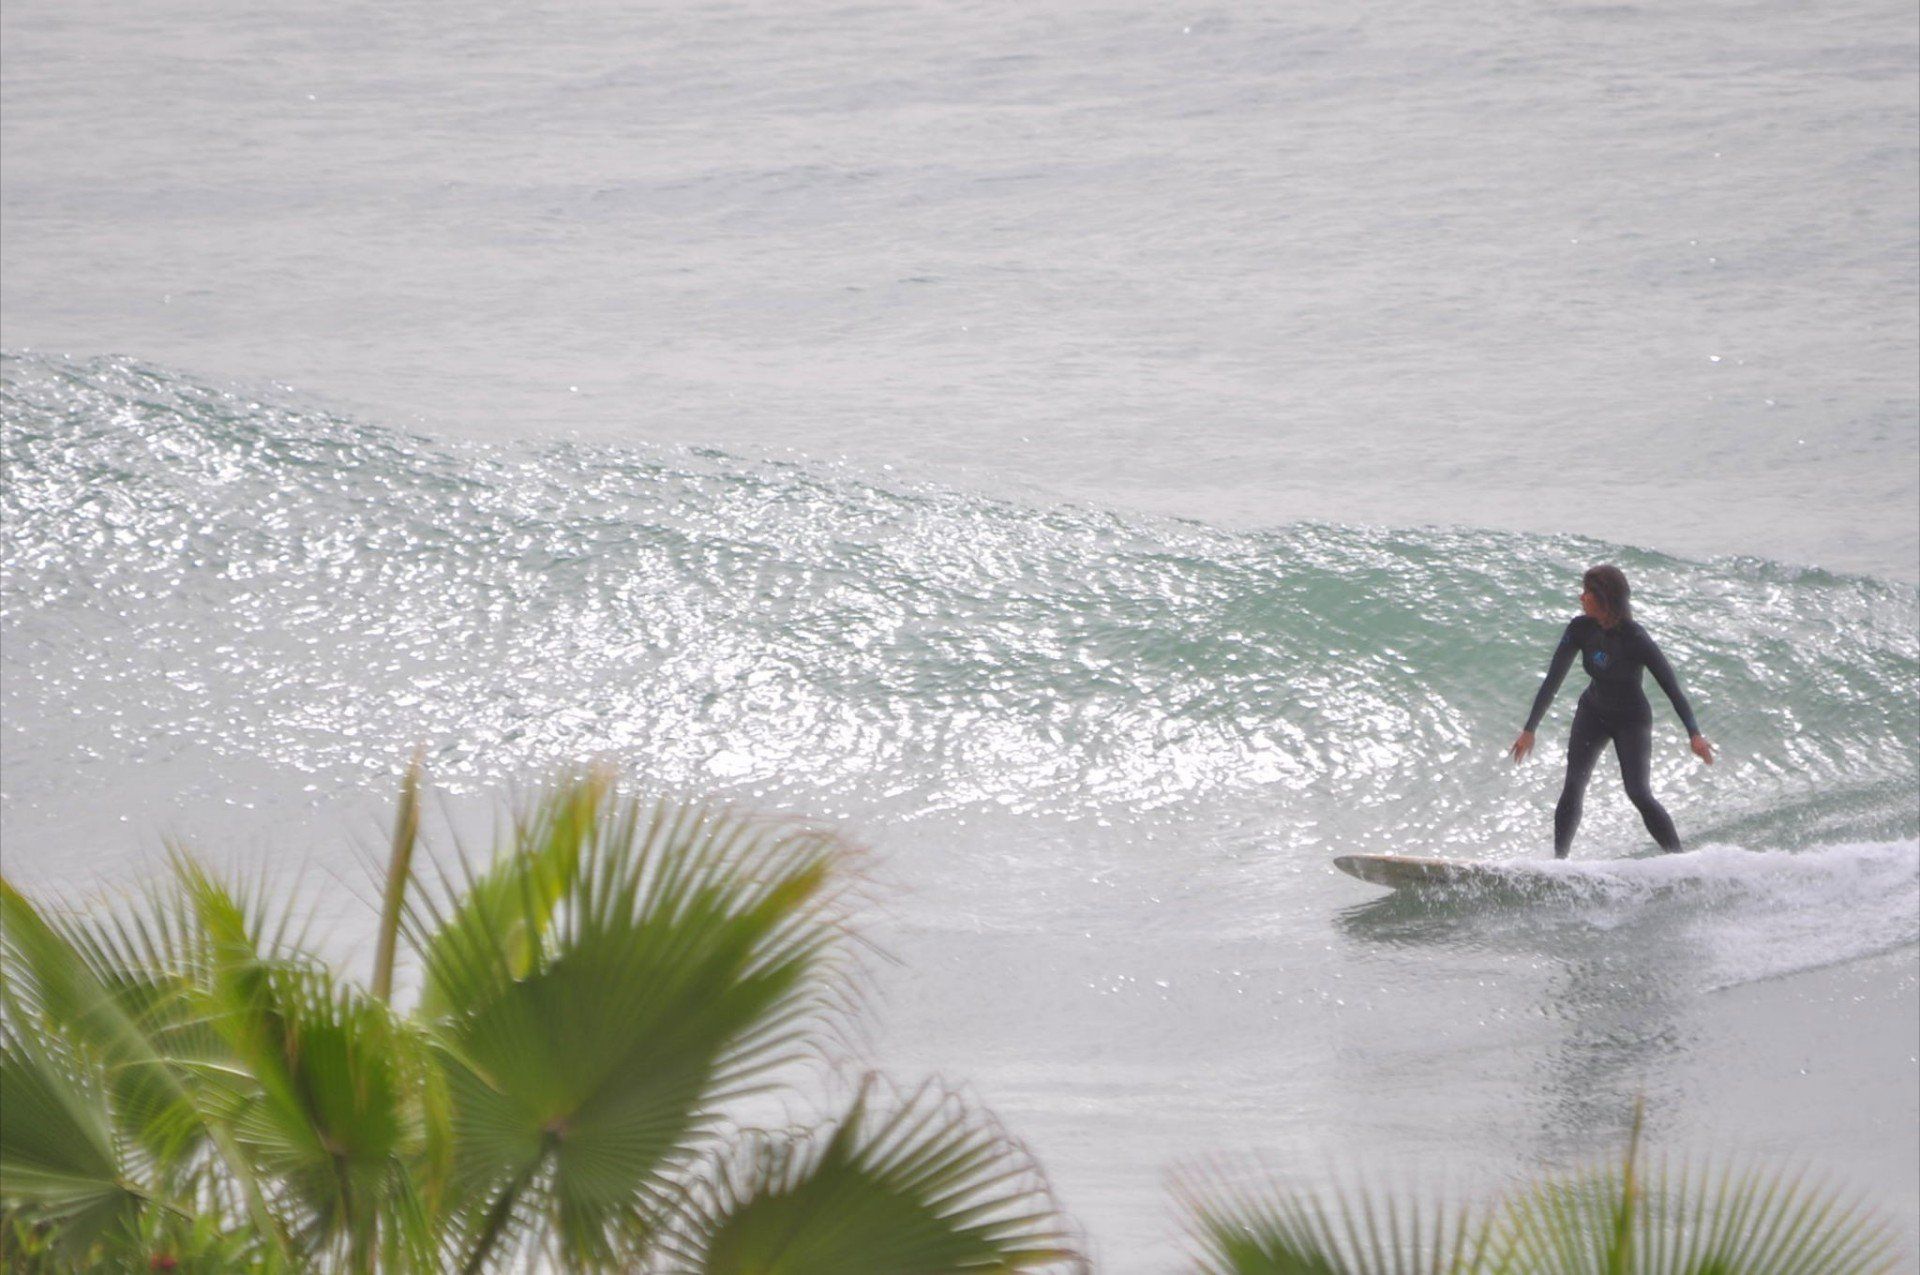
x=1620 y=269
x=1110 y=458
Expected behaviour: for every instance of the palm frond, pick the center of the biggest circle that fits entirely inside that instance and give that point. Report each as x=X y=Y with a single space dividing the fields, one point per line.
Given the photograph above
x=118 y=989
x=602 y=992
x=1698 y=1220
x=59 y=1161
x=1261 y=1229
x=496 y=926
x=925 y=1185
x=328 y=1112
x=179 y=1079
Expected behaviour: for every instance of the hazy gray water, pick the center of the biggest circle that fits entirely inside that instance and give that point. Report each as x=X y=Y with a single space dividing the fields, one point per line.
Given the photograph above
x=1638 y=272
x=701 y=389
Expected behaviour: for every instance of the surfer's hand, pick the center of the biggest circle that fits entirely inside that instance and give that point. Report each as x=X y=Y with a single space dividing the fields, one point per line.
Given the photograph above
x=1701 y=748
x=1522 y=746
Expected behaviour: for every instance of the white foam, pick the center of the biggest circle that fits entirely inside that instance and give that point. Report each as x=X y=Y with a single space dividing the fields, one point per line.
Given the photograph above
x=1746 y=915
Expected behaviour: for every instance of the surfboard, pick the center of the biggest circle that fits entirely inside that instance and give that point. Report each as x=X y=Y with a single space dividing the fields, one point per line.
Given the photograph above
x=1403 y=870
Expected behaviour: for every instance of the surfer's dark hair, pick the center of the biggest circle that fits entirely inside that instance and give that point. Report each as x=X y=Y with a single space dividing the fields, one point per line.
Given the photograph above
x=1608 y=585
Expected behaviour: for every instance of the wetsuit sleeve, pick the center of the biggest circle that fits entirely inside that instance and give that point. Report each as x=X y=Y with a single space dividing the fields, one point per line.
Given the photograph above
x=1663 y=673
x=1556 y=674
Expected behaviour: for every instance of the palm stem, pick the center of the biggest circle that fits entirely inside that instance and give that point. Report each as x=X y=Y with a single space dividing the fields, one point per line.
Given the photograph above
x=1621 y=1261
x=406 y=832
x=497 y=1218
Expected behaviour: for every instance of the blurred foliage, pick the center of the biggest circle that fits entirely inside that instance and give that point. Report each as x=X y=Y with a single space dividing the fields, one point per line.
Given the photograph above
x=186 y=1086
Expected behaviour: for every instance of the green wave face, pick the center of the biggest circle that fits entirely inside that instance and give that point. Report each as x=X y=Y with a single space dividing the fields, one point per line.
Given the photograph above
x=232 y=573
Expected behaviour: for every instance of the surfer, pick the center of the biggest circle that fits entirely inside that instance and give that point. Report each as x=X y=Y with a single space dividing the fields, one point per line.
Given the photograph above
x=1613 y=649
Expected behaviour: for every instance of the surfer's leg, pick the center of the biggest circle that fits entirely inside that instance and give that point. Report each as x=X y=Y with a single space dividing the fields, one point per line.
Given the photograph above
x=1584 y=742
x=1633 y=741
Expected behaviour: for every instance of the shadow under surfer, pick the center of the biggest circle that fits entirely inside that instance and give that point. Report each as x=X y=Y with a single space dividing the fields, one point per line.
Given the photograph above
x=1613 y=649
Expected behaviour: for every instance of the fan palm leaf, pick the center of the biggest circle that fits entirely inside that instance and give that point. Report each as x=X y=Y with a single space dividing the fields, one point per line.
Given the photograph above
x=330 y=1110
x=926 y=1187
x=123 y=994
x=1694 y=1221
x=179 y=1080
x=1263 y=1230
x=496 y=925
x=598 y=997
x=59 y=1159
x=117 y=988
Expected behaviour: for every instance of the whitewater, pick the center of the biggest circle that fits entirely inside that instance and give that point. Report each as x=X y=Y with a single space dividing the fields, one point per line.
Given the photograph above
x=1107 y=460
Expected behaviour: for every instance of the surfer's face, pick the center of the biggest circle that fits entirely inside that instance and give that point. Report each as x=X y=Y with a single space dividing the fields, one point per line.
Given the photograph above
x=1590 y=605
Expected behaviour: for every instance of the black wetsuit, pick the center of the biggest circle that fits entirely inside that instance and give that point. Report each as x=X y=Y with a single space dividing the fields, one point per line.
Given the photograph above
x=1612 y=707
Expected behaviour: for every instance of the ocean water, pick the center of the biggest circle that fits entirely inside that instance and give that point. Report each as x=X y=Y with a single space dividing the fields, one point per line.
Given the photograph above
x=1102 y=759
x=1110 y=460
x=1644 y=272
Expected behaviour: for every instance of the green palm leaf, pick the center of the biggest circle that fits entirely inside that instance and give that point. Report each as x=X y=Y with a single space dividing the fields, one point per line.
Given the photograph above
x=117 y=989
x=498 y=924
x=1263 y=1230
x=929 y=1188
x=119 y=999
x=1701 y=1221
x=59 y=1162
x=602 y=992
x=329 y=1111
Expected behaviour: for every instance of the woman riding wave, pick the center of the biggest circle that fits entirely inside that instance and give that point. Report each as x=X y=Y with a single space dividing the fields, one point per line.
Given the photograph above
x=1613 y=649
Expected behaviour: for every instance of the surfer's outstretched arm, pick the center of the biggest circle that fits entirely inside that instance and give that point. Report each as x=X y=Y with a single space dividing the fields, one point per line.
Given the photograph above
x=1663 y=674
x=1556 y=674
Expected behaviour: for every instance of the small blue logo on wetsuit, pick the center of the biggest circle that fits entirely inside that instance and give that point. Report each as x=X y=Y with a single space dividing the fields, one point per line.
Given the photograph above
x=1600 y=658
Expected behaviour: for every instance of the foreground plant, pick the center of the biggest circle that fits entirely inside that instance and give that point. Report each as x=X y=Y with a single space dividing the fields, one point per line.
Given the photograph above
x=1618 y=1221
x=183 y=1084
x=1699 y=1220
x=919 y=1183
